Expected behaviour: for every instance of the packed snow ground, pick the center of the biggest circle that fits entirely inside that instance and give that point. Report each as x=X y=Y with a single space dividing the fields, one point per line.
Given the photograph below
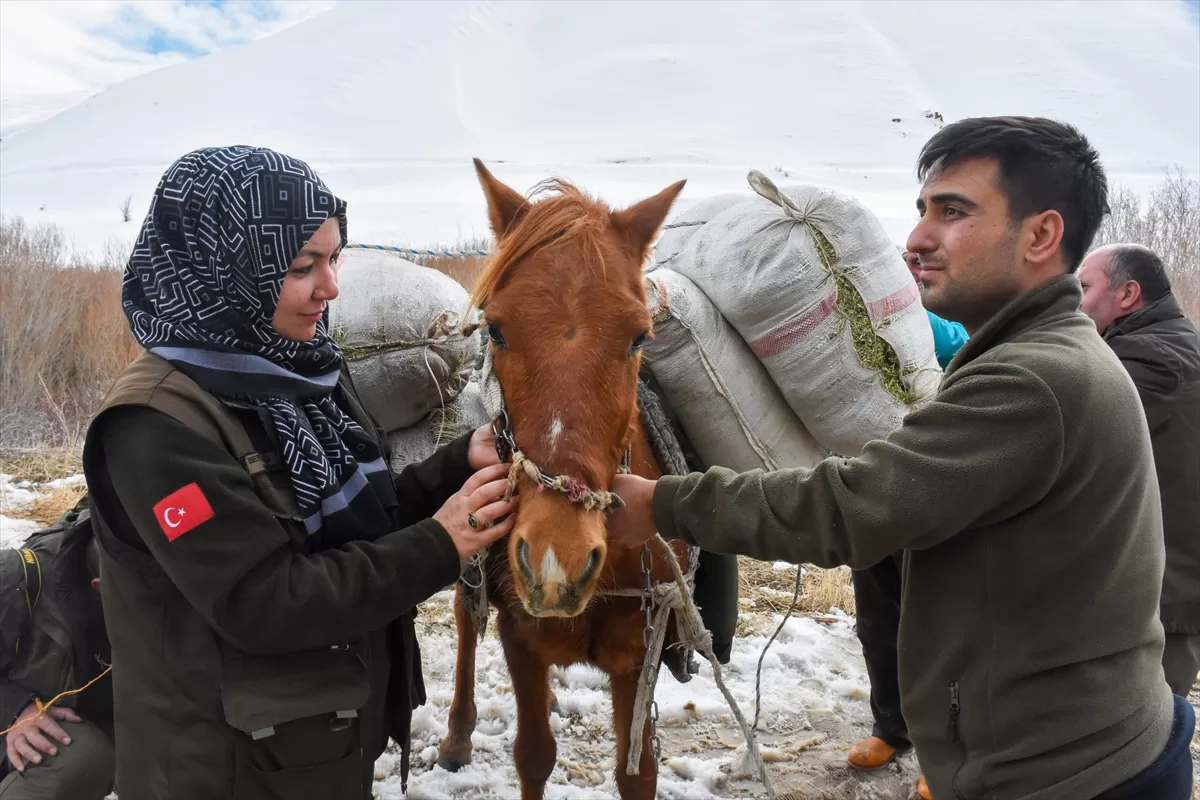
x=389 y=101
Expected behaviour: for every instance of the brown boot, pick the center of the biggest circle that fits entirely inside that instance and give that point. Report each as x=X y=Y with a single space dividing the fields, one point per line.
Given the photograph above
x=871 y=753
x=923 y=789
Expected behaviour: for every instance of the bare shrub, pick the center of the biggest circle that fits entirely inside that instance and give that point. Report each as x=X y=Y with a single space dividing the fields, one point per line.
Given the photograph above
x=127 y=210
x=1168 y=222
x=63 y=336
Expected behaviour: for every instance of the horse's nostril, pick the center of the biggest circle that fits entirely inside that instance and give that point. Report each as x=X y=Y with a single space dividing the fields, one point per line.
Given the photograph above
x=591 y=565
x=523 y=561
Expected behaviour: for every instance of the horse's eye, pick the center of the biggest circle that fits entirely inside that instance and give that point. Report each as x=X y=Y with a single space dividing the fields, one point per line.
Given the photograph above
x=638 y=343
x=496 y=335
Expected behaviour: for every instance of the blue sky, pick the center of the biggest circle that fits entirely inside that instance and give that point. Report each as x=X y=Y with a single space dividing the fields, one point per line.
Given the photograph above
x=139 y=32
x=55 y=54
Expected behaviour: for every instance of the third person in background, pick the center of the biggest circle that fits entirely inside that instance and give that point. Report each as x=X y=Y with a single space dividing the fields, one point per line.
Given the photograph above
x=1127 y=293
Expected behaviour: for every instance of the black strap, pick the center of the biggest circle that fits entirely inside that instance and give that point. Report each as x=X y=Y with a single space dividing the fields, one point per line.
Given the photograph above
x=33 y=582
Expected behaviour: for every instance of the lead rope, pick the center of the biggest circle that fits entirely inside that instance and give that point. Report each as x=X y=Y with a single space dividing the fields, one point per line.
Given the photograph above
x=674 y=597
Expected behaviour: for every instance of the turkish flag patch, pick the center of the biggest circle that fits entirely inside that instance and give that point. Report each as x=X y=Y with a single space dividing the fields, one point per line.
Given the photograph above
x=180 y=511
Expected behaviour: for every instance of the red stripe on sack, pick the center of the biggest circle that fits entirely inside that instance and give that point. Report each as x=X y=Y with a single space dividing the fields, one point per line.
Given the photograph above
x=663 y=303
x=795 y=329
x=894 y=302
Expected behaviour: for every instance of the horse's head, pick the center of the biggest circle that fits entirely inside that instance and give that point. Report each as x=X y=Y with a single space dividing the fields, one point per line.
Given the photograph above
x=565 y=309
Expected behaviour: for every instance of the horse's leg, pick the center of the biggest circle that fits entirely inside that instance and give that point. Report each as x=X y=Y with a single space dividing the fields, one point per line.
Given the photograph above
x=534 y=751
x=643 y=785
x=455 y=750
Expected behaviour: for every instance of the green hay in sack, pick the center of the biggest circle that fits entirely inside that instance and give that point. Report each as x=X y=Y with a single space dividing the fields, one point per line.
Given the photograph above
x=873 y=351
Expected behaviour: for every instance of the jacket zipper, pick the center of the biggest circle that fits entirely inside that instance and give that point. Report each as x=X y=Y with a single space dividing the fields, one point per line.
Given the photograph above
x=953 y=735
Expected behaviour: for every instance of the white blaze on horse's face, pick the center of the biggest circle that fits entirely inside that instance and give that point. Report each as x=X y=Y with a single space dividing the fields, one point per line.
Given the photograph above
x=556 y=429
x=565 y=305
x=552 y=572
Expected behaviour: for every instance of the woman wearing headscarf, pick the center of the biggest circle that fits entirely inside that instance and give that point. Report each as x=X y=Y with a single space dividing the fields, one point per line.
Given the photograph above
x=261 y=565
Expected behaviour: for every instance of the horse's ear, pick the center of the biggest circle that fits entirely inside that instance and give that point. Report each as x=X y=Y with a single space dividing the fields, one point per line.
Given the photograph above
x=641 y=221
x=505 y=205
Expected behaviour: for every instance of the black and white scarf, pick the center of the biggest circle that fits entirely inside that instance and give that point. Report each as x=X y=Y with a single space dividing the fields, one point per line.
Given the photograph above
x=200 y=291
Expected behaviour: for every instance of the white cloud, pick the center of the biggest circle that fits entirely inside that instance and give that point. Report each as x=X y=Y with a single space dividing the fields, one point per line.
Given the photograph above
x=53 y=55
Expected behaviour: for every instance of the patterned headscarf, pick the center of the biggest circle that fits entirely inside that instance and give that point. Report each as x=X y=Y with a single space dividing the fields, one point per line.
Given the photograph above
x=200 y=291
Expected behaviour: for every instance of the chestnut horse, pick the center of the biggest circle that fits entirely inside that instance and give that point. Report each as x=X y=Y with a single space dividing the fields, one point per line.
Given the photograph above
x=565 y=310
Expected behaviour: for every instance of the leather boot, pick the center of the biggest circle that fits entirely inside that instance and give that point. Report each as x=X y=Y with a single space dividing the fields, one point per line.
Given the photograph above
x=871 y=753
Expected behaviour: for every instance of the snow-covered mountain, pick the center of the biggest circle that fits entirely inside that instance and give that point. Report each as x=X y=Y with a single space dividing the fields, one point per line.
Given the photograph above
x=389 y=101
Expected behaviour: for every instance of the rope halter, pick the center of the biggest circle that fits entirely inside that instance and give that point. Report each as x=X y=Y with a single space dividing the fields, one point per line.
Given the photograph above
x=575 y=490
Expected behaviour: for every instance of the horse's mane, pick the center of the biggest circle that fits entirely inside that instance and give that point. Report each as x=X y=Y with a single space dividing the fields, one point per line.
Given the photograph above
x=567 y=215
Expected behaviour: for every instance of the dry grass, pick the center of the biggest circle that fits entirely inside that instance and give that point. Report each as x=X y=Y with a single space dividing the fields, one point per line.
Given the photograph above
x=820 y=589
x=63 y=337
x=39 y=465
x=1168 y=222
x=47 y=508
x=463 y=269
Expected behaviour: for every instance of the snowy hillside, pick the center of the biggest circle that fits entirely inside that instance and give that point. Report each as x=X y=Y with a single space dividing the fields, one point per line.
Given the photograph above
x=390 y=102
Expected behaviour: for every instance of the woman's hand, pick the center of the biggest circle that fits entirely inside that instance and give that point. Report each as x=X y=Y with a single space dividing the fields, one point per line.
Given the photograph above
x=481 y=451
x=470 y=515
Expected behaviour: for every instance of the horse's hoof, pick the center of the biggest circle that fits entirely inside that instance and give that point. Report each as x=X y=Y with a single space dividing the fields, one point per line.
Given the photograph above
x=675 y=659
x=452 y=763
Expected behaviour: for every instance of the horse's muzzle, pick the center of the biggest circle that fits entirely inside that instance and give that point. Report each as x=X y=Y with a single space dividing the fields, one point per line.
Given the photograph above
x=549 y=590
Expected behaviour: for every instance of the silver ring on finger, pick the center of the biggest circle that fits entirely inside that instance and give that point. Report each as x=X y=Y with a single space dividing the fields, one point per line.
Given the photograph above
x=473 y=522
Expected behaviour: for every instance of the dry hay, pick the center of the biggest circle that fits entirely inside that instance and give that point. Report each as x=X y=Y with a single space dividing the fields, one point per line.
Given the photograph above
x=49 y=507
x=41 y=465
x=873 y=351
x=767 y=587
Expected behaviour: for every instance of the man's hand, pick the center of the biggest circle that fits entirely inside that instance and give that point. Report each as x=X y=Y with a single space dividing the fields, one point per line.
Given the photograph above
x=633 y=525
x=481 y=451
x=28 y=736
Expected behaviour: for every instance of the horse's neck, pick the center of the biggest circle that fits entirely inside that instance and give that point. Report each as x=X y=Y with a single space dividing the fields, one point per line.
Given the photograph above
x=642 y=460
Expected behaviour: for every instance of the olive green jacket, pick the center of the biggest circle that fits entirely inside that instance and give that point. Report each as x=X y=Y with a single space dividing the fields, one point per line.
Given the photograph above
x=1029 y=641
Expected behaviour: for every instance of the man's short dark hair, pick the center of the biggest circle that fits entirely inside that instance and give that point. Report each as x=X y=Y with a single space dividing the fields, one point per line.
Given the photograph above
x=1044 y=165
x=1133 y=262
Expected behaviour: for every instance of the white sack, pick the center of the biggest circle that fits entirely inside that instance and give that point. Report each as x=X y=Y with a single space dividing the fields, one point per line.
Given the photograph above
x=758 y=262
x=726 y=402
x=675 y=237
x=438 y=428
x=397 y=323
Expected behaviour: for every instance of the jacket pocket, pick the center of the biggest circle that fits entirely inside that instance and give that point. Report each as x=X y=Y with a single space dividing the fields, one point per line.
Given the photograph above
x=341 y=779
x=954 y=735
x=295 y=721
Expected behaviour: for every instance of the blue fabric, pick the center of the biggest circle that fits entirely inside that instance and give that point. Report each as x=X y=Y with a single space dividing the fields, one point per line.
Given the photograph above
x=1170 y=777
x=948 y=337
x=200 y=290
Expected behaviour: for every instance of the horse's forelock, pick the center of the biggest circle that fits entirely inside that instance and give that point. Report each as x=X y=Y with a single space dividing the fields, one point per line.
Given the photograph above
x=567 y=217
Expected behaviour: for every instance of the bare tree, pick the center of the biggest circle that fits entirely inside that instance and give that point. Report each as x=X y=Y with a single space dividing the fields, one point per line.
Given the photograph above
x=126 y=209
x=1168 y=222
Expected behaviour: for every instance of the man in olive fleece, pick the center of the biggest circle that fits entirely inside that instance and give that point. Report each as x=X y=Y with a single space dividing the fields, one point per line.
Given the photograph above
x=1024 y=493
